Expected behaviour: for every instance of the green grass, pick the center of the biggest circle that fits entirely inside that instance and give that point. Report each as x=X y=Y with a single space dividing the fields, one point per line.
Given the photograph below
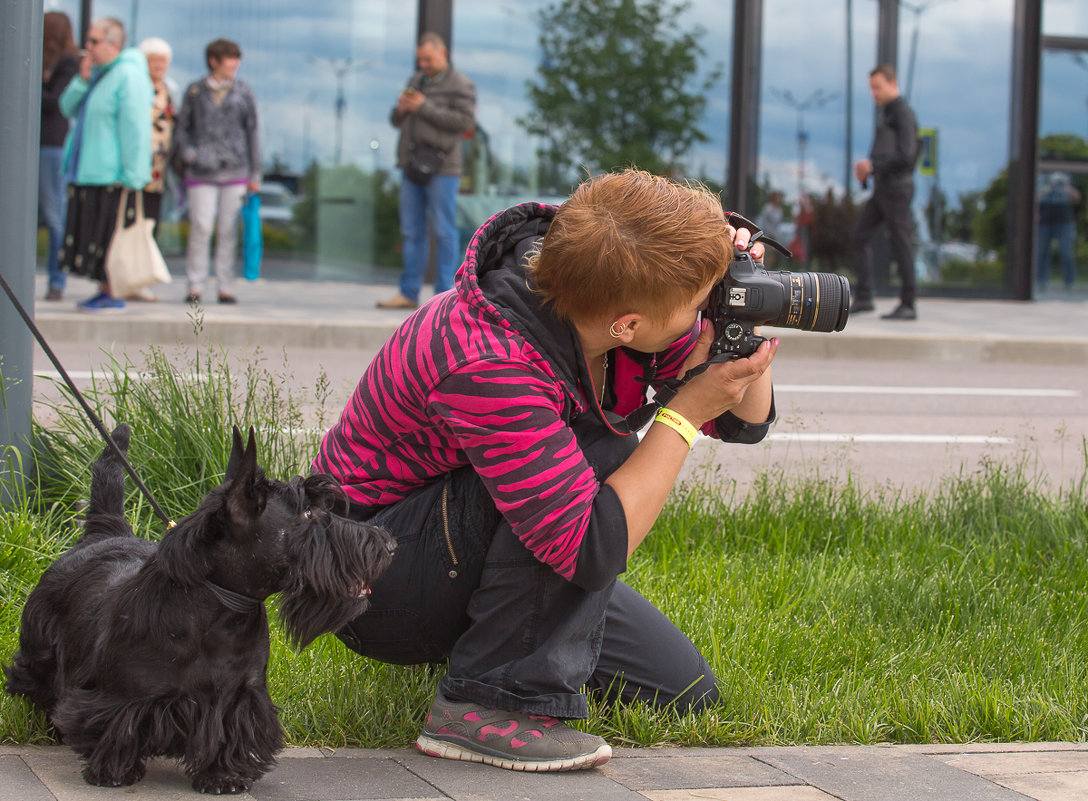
x=830 y=614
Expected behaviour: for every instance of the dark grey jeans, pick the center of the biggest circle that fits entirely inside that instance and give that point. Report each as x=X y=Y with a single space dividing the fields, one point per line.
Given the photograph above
x=517 y=636
x=890 y=205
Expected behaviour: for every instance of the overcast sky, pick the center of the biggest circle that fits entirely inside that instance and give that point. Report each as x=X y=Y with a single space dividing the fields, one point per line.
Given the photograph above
x=959 y=84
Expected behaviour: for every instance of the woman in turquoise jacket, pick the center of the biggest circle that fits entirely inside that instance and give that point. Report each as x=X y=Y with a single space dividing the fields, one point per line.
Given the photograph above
x=108 y=149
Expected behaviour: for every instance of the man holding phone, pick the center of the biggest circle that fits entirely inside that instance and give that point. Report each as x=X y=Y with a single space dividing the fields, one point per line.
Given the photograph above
x=433 y=113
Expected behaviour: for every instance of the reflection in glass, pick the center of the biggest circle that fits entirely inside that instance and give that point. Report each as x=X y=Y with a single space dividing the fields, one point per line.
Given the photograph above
x=960 y=203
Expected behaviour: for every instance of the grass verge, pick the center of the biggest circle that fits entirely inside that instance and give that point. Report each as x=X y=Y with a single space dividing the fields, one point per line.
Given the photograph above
x=829 y=614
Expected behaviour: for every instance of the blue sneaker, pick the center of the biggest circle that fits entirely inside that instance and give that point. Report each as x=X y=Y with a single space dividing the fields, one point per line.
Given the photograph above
x=102 y=303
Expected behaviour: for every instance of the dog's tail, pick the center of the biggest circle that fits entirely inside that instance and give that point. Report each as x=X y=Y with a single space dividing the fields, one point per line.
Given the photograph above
x=106 y=513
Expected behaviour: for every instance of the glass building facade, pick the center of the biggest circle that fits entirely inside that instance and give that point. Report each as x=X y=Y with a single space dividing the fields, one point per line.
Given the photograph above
x=326 y=74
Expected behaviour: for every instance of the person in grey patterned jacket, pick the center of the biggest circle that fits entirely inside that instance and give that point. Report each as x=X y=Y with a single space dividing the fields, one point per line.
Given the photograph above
x=217 y=140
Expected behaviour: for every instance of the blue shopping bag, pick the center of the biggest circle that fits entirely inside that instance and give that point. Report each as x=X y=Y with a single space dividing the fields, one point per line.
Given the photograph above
x=252 y=239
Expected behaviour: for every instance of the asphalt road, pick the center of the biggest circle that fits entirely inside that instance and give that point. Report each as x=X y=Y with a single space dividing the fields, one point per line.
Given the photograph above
x=885 y=424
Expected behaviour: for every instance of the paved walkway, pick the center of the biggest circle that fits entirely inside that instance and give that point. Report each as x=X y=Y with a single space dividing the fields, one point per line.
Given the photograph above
x=1043 y=771
x=301 y=313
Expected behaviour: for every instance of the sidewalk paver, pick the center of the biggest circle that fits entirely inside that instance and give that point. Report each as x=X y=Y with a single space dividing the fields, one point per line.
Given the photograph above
x=692 y=769
x=798 y=793
x=18 y=782
x=881 y=774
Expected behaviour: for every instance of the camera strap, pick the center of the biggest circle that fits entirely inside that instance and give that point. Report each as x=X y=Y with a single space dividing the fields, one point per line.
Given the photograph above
x=641 y=416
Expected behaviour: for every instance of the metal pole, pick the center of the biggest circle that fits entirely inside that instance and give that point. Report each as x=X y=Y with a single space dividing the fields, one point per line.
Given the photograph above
x=913 y=52
x=436 y=16
x=20 y=123
x=85 y=13
x=847 y=171
x=744 y=117
x=887 y=35
x=1023 y=144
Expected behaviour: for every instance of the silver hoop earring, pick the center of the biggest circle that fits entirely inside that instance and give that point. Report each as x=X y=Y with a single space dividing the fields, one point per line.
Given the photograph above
x=616 y=333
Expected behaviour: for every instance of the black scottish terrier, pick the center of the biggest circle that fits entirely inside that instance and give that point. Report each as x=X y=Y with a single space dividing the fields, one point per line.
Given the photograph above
x=136 y=650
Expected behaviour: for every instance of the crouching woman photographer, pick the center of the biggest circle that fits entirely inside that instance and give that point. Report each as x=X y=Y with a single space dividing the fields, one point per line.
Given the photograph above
x=488 y=436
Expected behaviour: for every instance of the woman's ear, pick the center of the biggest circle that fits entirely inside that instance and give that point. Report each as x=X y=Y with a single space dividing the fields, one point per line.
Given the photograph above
x=623 y=327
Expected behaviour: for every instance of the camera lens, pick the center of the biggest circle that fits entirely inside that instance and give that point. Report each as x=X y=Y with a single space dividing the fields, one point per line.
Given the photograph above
x=827 y=306
x=818 y=301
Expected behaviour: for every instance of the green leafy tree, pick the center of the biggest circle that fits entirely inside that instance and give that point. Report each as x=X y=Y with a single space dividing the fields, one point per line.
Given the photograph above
x=958 y=222
x=617 y=86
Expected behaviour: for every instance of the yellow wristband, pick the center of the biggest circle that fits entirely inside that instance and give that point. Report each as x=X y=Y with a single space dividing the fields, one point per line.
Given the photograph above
x=677 y=423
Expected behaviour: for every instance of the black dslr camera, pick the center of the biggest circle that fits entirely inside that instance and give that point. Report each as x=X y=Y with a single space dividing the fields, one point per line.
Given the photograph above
x=749 y=295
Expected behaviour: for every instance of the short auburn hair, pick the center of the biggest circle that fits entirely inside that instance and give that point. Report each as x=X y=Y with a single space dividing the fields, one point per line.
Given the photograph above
x=631 y=242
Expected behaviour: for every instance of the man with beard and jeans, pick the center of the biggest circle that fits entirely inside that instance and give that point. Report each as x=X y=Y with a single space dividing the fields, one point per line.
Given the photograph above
x=891 y=166
x=433 y=112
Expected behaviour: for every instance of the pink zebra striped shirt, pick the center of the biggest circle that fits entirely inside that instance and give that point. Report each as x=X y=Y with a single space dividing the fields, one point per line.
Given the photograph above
x=484 y=376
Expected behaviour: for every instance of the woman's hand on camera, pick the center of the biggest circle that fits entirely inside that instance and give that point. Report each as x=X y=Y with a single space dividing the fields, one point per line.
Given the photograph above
x=726 y=386
x=741 y=238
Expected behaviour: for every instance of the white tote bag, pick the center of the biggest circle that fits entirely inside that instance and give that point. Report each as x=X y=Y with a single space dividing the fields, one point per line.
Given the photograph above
x=133 y=261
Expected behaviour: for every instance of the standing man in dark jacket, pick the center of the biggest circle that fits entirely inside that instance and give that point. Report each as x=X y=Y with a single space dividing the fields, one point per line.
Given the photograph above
x=433 y=112
x=891 y=166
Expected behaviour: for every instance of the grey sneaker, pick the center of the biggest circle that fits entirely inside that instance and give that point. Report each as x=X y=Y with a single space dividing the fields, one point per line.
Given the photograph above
x=511 y=740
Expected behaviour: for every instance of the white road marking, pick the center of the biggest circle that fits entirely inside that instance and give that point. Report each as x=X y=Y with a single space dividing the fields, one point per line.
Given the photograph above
x=902 y=439
x=786 y=436
x=997 y=392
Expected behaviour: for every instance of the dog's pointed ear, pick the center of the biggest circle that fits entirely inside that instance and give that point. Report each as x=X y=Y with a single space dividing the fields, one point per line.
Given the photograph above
x=236 y=454
x=246 y=495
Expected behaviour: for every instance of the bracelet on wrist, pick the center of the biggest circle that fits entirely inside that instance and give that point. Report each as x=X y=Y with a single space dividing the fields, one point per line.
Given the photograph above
x=678 y=423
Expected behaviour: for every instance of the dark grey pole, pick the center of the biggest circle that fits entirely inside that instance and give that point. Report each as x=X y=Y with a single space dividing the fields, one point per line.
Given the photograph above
x=84 y=21
x=20 y=123
x=1023 y=144
x=741 y=180
x=887 y=34
x=848 y=172
x=436 y=16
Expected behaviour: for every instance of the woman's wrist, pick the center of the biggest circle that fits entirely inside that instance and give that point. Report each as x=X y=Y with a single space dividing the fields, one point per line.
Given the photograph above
x=678 y=423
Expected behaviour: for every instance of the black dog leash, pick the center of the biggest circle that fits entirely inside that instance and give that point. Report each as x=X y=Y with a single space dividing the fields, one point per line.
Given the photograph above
x=82 y=402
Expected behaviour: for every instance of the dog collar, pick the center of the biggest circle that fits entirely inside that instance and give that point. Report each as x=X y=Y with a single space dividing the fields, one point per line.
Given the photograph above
x=235 y=601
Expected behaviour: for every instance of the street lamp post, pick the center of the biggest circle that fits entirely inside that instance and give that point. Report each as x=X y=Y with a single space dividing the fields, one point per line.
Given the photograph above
x=917 y=9
x=817 y=99
x=340 y=69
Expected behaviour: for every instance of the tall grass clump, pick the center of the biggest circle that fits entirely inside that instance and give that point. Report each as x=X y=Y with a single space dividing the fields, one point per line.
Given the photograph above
x=829 y=613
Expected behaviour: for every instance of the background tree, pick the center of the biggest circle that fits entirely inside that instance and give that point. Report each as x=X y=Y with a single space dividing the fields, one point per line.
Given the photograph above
x=990 y=224
x=615 y=87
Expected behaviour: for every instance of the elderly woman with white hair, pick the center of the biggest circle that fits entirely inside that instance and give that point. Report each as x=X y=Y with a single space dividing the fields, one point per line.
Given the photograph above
x=163 y=109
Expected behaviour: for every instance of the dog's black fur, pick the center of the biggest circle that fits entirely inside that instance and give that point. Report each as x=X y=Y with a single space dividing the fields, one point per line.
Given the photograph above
x=136 y=650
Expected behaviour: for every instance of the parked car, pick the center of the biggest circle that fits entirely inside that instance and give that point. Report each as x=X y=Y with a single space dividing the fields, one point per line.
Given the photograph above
x=277 y=204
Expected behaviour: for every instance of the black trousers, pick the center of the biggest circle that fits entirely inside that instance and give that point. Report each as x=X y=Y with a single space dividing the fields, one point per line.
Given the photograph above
x=519 y=637
x=890 y=205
